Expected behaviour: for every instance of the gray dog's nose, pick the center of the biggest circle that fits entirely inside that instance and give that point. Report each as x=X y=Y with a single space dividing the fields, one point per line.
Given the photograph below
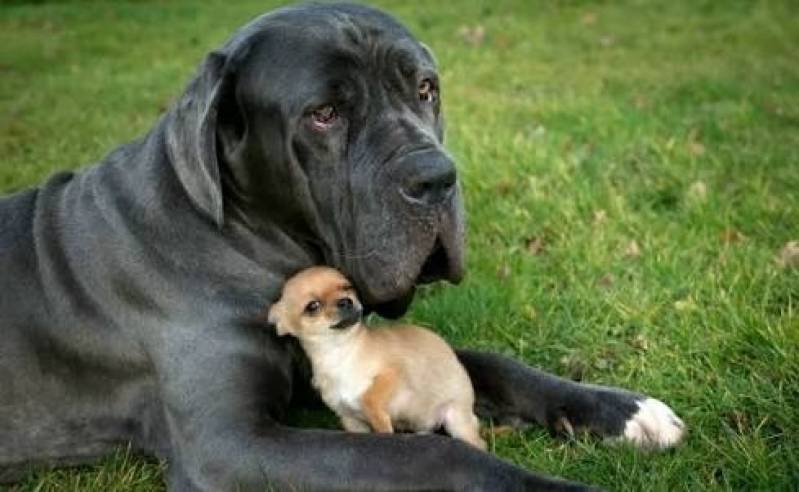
x=430 y=177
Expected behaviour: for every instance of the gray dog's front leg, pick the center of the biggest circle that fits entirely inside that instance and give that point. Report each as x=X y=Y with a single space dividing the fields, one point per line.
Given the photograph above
x=302 y=459
x=223 y=390
x=514 y=393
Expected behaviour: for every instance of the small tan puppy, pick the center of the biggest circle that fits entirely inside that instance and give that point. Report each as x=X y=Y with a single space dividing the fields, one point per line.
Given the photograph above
x=406 y=377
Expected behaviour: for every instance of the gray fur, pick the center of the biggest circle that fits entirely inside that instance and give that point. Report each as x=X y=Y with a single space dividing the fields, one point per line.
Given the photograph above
x=130 y=291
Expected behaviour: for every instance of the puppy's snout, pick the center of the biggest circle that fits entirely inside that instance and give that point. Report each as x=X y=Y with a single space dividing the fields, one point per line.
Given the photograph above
x=430 y=177
x=349 y=313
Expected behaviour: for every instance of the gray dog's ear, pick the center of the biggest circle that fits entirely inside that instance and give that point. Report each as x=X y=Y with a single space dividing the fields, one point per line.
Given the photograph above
x=191 y=136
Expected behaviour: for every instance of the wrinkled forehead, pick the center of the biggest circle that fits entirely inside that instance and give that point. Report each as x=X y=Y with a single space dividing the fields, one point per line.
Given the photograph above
x=302 y=58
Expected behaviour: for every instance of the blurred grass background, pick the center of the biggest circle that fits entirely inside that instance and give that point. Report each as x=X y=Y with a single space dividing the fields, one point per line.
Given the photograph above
x=631 y=172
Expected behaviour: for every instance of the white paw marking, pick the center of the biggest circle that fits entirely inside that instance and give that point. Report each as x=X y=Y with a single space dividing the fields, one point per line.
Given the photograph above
x=654 y=425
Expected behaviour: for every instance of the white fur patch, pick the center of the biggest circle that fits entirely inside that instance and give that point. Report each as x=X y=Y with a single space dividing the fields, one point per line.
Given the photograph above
x=654 y=425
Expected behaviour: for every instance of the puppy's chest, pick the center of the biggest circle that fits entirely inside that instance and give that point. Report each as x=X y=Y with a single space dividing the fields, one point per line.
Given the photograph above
x=341 y=383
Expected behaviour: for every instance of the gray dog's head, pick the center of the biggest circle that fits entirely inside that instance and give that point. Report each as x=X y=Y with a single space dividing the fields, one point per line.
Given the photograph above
x=325 y=120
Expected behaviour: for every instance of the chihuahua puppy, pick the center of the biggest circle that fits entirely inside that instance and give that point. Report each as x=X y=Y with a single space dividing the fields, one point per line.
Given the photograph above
x=404 y=378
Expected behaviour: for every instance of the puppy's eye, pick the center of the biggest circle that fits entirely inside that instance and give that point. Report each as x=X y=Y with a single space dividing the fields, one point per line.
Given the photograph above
x=324 y=116
x=427 y=91
x=313 y=307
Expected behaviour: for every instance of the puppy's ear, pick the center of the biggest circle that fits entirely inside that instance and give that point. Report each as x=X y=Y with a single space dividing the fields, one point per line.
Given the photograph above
x=277 y=318
x=192 y=134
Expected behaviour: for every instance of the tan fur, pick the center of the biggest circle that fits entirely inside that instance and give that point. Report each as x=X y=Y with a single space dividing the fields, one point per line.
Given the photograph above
x=375 y=400
x=403 y=377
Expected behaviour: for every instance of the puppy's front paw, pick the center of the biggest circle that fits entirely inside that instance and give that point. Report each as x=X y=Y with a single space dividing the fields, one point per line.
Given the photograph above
x=654 y=425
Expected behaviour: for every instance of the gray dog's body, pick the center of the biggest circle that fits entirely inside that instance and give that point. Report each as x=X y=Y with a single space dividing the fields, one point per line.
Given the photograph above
x=128 y=290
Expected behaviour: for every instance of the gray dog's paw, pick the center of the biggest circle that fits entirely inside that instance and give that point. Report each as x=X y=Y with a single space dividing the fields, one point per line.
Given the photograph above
x=654 y=425
x=620 y=416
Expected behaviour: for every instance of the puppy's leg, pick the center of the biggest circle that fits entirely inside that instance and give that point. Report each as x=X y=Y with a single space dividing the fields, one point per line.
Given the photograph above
x=460 y=423
x=351 y=424
x=376 y=398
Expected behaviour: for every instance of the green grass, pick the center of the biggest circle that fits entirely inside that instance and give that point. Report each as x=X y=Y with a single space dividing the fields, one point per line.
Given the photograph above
x=579 y=127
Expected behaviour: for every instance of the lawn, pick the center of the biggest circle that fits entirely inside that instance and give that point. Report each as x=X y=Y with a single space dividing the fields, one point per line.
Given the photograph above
x=631 y=173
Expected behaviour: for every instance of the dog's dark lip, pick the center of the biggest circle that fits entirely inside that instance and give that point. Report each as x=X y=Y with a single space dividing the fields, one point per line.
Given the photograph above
x=436 y=266
x=394 y=308
x=439 y=265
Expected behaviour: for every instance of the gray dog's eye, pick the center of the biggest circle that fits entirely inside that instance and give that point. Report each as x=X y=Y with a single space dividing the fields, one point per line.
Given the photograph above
x=427 y=92
x=324 y=116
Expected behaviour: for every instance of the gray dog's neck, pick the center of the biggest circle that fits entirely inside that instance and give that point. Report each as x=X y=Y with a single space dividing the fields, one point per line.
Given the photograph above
x=119 y=198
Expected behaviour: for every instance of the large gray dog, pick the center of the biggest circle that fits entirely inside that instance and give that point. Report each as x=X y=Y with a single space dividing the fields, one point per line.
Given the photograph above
x=129 y=290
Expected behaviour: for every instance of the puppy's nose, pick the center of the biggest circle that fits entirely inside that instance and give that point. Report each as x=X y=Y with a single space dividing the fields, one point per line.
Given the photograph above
x=430 y=178
x=344 y=304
